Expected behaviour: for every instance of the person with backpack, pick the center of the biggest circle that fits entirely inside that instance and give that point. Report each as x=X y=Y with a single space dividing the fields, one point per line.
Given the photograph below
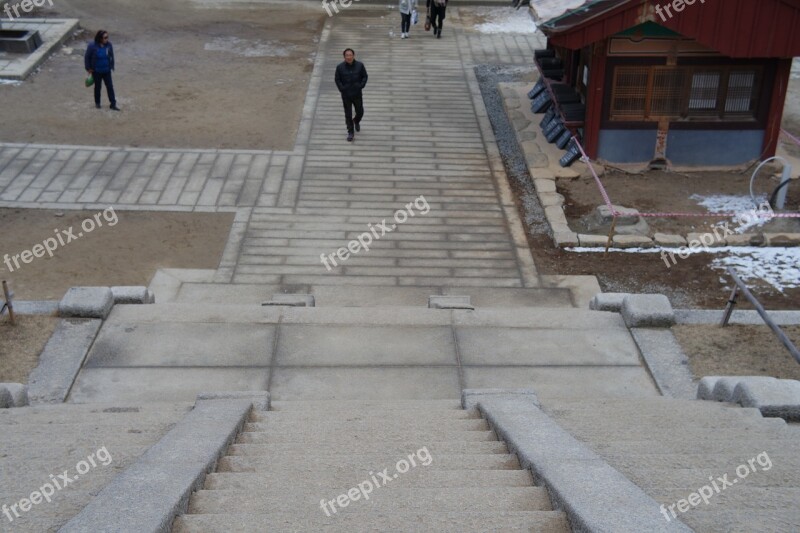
x=437 y=11
x=99 y=62
x=406 y=8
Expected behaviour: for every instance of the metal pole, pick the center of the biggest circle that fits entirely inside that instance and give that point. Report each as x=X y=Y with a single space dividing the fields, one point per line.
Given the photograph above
x=761 y=311
x=730 y=306
x=8 y=303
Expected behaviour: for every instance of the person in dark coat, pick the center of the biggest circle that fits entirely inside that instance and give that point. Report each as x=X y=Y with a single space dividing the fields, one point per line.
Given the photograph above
x=99 y=62
x=437 y=10
x=351 y=78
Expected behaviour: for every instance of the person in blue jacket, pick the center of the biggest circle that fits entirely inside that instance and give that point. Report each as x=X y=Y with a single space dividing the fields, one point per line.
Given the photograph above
x=99 y=62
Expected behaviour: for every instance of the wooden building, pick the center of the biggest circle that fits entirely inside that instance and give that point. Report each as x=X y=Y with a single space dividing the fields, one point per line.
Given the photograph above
x=684 y=82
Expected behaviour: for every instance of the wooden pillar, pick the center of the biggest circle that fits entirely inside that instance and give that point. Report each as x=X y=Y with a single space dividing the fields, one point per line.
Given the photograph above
x=595 y=98
x=781 y=85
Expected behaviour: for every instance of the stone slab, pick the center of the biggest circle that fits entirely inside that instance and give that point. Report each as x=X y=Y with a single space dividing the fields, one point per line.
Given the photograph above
x=163 y=384
x=61 y=360
x=309 y=345
x=17 y=392
x=169 y=344
x=129 y=295
x=86 y=302
x=666 y=361
x=647 y=311
x=774 y=398
x=608 y=301
x=370 y=383
x=526 y=346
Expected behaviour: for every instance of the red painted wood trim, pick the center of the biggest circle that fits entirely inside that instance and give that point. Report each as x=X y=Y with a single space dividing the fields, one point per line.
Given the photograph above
x=777 y=103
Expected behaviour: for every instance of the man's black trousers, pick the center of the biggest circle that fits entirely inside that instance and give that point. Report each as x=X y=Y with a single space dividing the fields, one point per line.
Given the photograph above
x=350 y=102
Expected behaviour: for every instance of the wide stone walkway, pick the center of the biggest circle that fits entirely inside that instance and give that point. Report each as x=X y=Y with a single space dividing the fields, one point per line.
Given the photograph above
x=425 y=137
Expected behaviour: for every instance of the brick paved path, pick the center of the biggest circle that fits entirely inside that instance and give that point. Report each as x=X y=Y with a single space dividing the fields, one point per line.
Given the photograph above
x=425 y=133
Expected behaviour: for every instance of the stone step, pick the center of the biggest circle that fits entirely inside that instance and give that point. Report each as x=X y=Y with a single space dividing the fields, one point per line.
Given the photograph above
x=413 y=478
x=533 y=318
x=365 y=406
x=654 y=478
x=746 y=447
x=379 y=522
x=434 y=448
x=342 y=441
x=759 y=499
x=651 y=406
x=366 y=296
x=658 y=416
x=718 y=461
x=766 y=428
x=375 y=415
x=364 y=462
x=288 y=497
x=705 y=520
x=287 y=426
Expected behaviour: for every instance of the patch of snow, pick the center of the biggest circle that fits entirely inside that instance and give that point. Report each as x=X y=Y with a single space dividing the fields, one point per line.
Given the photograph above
x=245 y=48
x=747 y=215
x=505 y=20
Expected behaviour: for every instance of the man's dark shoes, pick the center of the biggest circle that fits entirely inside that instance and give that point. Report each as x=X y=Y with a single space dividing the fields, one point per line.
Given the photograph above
x=350 y=137
x=97 y=106
x=358 y=126
x=114 y=108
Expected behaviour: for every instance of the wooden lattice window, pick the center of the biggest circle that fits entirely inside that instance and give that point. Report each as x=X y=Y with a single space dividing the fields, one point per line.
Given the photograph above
x=684 y=92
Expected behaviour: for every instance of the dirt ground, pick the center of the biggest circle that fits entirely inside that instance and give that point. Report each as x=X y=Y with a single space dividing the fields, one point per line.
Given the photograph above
x=127 y=253
x=21 y=345
x=673 y=194
x=738 y=351
x=188 y=75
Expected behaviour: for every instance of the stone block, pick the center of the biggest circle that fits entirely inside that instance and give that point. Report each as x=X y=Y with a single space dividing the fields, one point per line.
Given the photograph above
x=449 y=302
x=647 y=311
x=783 y=239
x=6 y=400
x=669 y=239
x=724 y=387
x=704 y=240
x=705 y=389
x=544 y=185
x=565 y=239
x=292 y=300
x=778 y=398
x=548 y=199
x=626 y=216
x=470 y=398
x=592 y=241
x=608 y=301
x=555 y=215
x=151 y=297
x=86 y=302
x=261 y=400
x=747 y=239
x=631 y=241
x=18 y=392
x=130 y=295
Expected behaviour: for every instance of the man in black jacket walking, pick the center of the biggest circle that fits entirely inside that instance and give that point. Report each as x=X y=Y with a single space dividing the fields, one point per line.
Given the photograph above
x=351 y=78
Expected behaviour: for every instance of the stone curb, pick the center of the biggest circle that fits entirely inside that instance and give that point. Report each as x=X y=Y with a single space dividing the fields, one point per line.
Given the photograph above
x=776 y=398
x=13 y=395
x=647 y=311
x=572 y=473
x=665 y=361
x=147 y=496
x=739 y=317
x=61 y=360
x=470 y=398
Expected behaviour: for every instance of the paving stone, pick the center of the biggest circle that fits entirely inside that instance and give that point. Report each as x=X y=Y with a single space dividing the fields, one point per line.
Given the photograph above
x=647 y=311
x=86 y=302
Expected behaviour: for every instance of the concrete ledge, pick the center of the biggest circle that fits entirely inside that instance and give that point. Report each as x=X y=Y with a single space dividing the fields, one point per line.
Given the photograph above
x=666 y=361
x=724 y=387
x=130 y=295
x=647 y=311
x=595 y=496
x=61 y=360
x=18 y=393
x=450 y=302
x=739 y=316
x=470 y=398
x=705 y=389
x=292 y=300
x=86 y=302
x=6 y=400
x=156 y=488
x=261 y=400
x=773 y=397
x=35 y=307
x=607 y=301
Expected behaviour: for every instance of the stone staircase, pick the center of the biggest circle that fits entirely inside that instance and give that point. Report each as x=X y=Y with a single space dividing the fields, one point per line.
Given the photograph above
x=672 y=448
x=48 y=440
x=290 y=460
